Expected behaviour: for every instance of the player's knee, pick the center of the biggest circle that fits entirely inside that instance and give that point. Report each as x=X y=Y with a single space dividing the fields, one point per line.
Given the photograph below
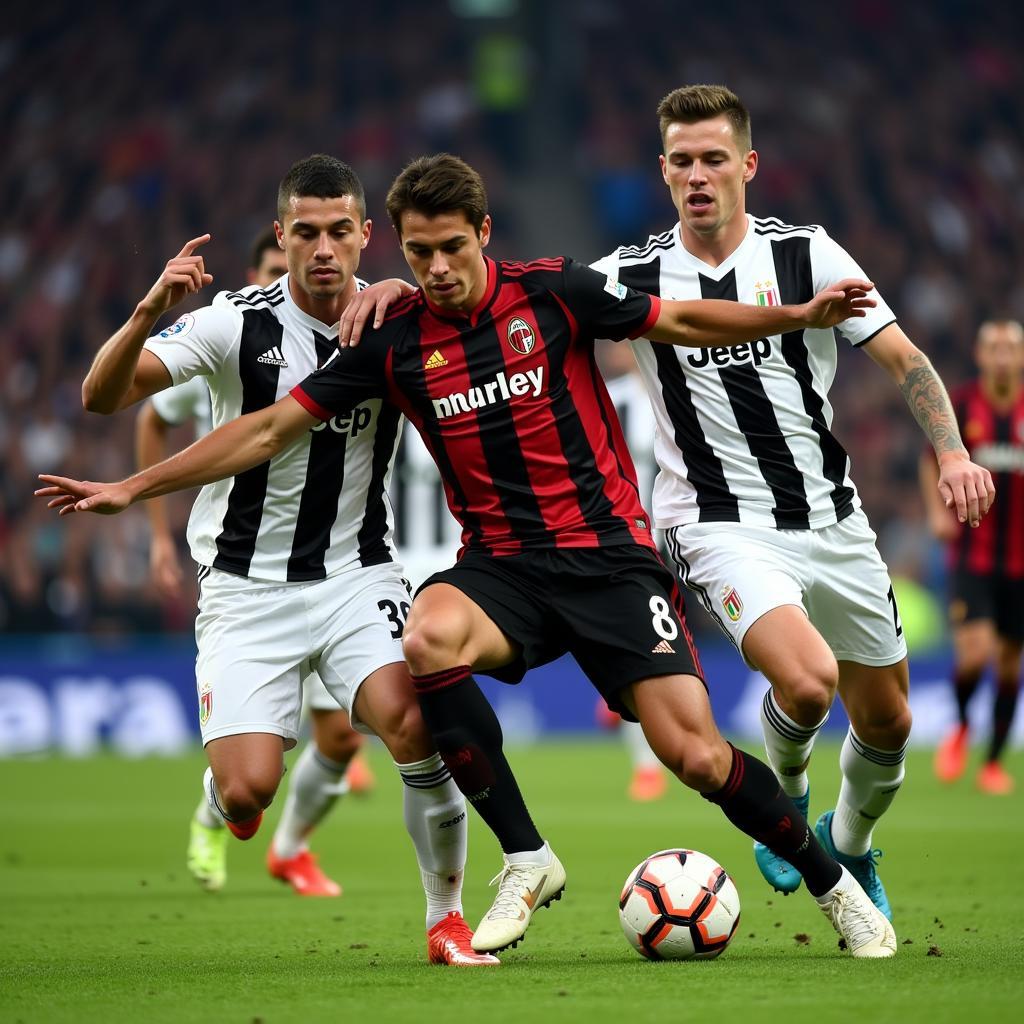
x=244 y=796
x=695 y=763
x=338 y=741
x=811 y=691
x=887 y=727
x=429 y=645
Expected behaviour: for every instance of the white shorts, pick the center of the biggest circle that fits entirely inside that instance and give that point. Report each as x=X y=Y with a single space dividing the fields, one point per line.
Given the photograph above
x=316 y=696
x=258 y=641
x=835 y=574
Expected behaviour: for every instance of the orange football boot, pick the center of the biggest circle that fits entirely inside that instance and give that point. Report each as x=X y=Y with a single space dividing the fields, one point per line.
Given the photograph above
x=244 y=829
x=359 y=776
x=302 y=873
x=449 y=942
x=951 y=755
x=994 y=779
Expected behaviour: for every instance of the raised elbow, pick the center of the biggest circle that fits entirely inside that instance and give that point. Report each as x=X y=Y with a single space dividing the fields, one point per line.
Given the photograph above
x=93 y=401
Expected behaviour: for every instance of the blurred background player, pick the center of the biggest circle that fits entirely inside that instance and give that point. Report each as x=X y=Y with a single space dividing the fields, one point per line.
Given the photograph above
x=986 y=566
x=319 y=775
x=648 y=779
x=754 y=489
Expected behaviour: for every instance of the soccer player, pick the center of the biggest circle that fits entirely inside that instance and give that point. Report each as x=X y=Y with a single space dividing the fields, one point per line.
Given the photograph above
x=761 y=516
x=330 y=765
x=986 y=607
x=297 y=570
x=493 y=362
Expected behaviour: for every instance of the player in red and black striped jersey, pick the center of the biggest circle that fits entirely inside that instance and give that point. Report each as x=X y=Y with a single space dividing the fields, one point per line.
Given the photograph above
x=986 y=564
x=494 y=365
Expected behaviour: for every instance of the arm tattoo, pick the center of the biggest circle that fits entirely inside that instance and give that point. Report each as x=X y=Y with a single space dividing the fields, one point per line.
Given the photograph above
x=928 y=401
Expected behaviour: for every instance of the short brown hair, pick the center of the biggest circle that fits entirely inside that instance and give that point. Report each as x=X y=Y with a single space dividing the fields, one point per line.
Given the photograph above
x=438 y=184
x=692 y=103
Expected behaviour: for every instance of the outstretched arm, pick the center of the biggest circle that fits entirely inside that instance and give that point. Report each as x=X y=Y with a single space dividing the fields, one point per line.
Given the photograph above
x=961 y=483
x=703 y=323
x=227 y=451
x=122 y=371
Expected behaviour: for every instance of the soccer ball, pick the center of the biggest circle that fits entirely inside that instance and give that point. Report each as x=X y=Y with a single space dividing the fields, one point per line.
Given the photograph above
x=679 y=905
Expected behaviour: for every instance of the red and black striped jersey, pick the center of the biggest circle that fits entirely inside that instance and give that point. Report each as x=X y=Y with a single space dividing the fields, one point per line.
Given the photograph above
x=510 y=404
x=995 y=440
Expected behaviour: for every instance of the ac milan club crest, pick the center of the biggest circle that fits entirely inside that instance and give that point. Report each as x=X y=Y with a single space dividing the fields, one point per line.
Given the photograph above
x=521 y=336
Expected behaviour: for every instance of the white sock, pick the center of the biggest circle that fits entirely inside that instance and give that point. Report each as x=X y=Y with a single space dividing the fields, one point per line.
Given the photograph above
x=212 y=796
x=207 y=815
x=871 y=779
x=435 y=818
x=846 y=881
x=788 y=745
x=541 y=856
x=316 y=784
x=640 y=752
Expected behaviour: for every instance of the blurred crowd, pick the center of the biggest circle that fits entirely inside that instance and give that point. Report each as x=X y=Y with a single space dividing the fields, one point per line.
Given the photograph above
x=898 y=127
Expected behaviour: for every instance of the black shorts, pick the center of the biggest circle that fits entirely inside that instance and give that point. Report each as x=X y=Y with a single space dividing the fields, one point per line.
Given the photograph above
x=616 y=610
x=976 y=596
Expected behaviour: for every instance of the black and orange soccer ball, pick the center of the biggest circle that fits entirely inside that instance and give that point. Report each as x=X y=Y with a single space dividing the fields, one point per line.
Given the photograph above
x=679 y=905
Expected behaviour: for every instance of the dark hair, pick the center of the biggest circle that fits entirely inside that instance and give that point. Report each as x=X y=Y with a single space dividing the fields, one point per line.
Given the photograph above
x=693 y=103
x=266 y=239
x=438 y=184
x=322 y=177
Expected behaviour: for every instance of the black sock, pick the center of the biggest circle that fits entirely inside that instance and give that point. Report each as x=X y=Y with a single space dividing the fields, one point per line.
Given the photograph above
x=754 y=802
x=1002 y=715
x=964 y=685
x=469 y=739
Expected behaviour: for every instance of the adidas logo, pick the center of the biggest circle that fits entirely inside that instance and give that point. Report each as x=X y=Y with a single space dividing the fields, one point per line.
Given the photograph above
x=273 y=357
x=664 y=647
x=435 y=362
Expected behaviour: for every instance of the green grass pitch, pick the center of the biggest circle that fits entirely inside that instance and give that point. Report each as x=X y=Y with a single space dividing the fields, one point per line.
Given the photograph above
x=100 y=922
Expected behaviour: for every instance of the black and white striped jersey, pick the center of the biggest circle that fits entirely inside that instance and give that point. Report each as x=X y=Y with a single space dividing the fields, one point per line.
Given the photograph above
x=320 y=506
x=744 y=431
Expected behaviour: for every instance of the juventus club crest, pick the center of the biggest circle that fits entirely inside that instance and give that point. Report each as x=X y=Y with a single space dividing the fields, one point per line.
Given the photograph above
x=521 y=336
x=205 y=703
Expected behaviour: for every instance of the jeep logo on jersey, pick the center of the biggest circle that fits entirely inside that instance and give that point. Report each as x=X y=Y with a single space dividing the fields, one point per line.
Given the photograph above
x=351 y=423
x=501 y=389
x=521 y=336
x=755 y=352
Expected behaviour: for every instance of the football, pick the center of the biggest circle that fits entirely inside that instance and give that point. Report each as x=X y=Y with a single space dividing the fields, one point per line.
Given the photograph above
x=679 y=905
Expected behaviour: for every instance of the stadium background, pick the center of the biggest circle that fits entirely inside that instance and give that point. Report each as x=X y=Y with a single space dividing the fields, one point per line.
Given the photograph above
x=899 y=127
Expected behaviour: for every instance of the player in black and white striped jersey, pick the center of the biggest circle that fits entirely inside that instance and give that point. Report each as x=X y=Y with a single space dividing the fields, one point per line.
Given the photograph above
x=296 y=561
x=761 y=515
x=331 y=763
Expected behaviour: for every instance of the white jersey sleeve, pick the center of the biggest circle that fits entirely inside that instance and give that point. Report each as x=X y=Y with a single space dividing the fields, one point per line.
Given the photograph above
x=198 y=343
x=830 y=263
x=188 y=401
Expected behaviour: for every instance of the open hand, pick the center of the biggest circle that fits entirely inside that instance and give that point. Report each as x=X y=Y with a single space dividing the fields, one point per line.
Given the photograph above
x=845 y=300
x=376 y=299
x=69 y=495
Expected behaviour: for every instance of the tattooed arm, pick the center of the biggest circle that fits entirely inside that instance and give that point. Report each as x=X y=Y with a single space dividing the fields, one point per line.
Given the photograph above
x=961 y=483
